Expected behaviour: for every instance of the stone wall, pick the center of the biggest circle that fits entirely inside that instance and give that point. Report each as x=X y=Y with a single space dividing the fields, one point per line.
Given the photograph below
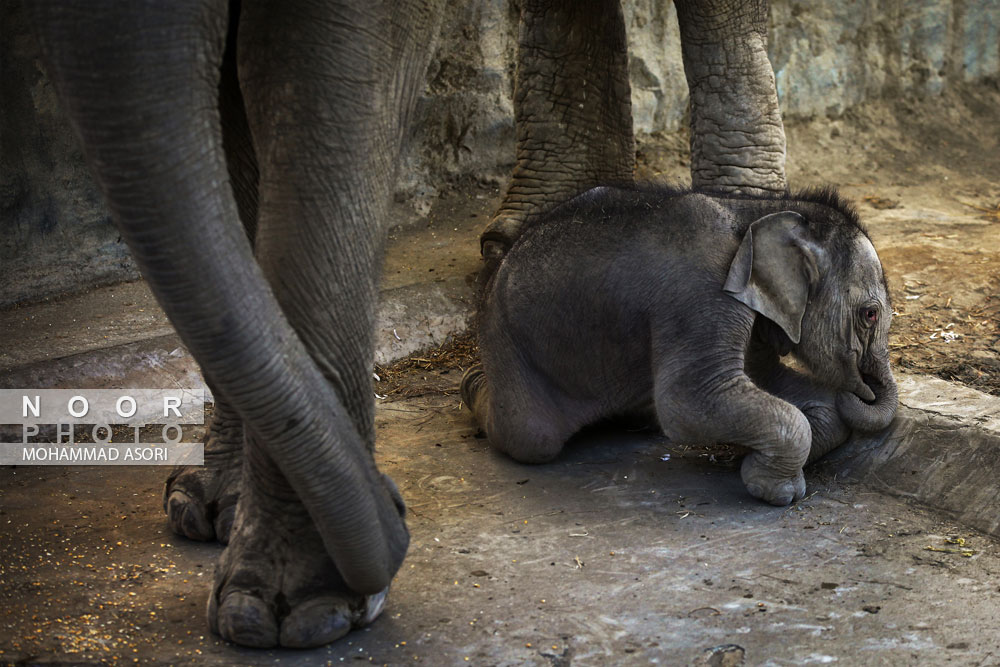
x=829 y=56
x=55 y=234
x=55 y=231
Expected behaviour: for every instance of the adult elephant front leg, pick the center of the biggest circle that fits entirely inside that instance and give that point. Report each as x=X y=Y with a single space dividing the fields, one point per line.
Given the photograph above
x=139 y=82
x=572 y=111
x=326 y=130
x=737 y=137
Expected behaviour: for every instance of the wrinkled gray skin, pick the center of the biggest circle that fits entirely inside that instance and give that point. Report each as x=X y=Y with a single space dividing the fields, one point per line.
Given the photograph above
x=209 y=128
x=248 y=156
x=626 y=298
x=573 y=110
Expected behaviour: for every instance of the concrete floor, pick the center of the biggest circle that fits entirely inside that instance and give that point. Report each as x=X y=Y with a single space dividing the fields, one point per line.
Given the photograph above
x=626 y=550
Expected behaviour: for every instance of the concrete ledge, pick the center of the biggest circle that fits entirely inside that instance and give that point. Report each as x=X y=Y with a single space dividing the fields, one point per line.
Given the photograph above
x=156 y=361
x=419 y=317
x=943 y=451
x=410 y=318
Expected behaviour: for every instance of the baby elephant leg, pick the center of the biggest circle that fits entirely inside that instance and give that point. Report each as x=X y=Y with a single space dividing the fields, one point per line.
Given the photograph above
x=816 y=402
x=516 y=418
x=741 y=413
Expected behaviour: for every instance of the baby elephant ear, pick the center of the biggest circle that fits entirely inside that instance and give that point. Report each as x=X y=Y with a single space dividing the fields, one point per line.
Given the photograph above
x=775 y=268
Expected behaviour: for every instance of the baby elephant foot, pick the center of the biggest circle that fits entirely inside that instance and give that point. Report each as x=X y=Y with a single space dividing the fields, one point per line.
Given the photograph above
x=764 y=483
x=200 y=501
x=472 y=384
x=276 y=586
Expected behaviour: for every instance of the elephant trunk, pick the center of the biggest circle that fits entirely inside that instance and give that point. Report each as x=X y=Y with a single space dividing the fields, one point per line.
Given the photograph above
x=145 y=112
x=869 y=417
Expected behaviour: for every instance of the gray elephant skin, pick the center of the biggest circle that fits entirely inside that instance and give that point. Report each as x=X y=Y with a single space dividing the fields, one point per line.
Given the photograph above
x=626 y=298
x=247 y=151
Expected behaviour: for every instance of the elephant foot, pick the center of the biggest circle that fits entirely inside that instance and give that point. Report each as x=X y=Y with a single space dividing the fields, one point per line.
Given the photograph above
x=200 y=501
x=764 y=483
x=472 y=384
x=275 y=585
x=497 y=238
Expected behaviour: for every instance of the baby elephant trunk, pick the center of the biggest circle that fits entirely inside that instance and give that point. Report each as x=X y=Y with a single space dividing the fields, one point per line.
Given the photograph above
x=871 y=416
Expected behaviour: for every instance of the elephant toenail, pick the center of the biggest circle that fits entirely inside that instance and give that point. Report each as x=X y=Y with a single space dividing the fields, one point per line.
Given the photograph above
x=244 y=619
x=374 y=604
x=187 y=517
x=316 y=623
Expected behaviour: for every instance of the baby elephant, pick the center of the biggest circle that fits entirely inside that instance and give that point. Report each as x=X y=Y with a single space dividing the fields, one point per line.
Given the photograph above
x=625 y=299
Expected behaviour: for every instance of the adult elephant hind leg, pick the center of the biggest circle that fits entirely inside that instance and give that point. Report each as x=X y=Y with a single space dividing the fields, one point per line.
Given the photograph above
x=572 y=111
x=200 y=501
x=737 y=137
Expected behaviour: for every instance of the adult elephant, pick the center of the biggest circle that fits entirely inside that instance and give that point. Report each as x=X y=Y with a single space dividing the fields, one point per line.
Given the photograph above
x=198 y=115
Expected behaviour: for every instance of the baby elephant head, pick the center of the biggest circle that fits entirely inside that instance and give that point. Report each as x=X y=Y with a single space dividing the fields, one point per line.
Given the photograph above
x=822 y=283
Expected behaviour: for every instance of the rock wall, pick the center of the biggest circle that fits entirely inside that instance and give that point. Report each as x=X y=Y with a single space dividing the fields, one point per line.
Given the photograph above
x=55 y=231
x=463 y=126
x=56 y=236
x=829 y=56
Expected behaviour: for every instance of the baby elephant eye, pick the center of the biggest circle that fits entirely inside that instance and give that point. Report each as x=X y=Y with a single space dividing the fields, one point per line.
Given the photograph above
x=870 y=314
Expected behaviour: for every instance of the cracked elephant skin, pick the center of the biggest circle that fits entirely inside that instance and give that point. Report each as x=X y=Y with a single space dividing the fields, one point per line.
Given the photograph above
x=572 y=106
x=247 y=152
x=686 y=301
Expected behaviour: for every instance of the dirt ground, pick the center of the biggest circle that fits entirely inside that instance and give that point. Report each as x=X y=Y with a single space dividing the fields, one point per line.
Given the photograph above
x=626 y=550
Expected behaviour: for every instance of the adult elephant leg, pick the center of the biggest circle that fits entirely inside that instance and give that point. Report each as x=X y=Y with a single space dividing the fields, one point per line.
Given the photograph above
x=139 y=83
x=572 y=110
x=200 y=501
x=737 y=138
x=324 y=103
